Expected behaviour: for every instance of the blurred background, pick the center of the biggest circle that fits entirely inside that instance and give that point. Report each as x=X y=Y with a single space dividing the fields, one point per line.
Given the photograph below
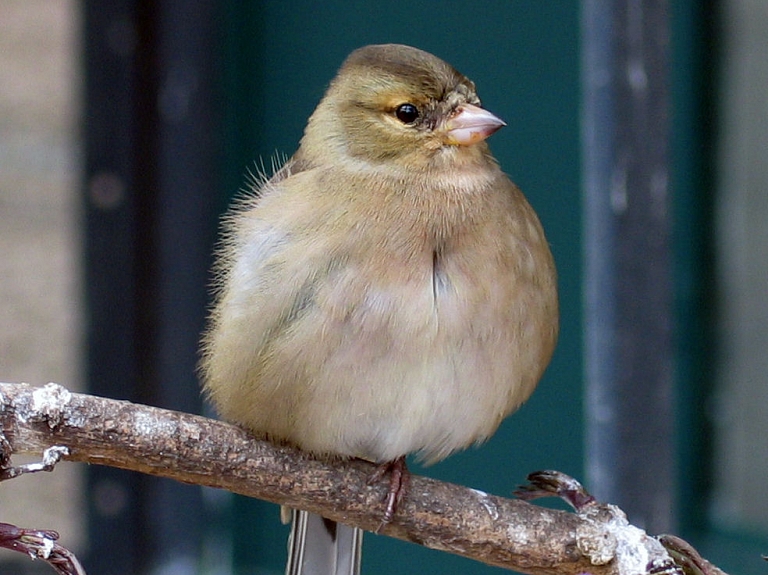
x=636 y=129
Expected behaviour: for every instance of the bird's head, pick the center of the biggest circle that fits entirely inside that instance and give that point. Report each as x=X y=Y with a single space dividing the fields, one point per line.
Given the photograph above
x=396 y=104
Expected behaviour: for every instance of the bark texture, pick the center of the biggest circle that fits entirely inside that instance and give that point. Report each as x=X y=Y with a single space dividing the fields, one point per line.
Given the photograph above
x=507 y=533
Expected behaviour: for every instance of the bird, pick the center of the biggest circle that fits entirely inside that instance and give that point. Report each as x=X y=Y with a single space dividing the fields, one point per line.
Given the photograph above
x=387 y=291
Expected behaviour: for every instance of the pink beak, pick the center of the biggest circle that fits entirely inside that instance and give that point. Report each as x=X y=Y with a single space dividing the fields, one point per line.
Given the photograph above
x=470 y=125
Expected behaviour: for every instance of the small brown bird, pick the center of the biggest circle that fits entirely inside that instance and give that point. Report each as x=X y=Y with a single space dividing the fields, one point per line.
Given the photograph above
x=389 y=290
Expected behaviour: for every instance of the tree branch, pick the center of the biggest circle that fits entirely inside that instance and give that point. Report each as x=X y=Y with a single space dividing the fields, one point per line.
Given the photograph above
x=507 y=533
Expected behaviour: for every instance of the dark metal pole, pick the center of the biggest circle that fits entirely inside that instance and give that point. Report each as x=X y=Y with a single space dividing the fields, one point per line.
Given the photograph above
x=151 y=196
x=625 y=132
x=110 y=129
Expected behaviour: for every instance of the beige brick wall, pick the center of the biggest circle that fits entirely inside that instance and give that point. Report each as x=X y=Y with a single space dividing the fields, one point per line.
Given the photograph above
x=40 y=301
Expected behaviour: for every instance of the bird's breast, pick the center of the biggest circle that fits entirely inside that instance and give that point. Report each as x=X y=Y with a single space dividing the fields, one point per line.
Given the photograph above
x=385 y=327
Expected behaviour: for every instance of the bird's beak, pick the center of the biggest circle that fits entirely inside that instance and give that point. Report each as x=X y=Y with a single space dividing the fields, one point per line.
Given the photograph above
x=470 y=125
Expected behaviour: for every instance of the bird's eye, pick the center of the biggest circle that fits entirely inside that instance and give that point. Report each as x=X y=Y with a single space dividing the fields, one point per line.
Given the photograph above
x=407 y=113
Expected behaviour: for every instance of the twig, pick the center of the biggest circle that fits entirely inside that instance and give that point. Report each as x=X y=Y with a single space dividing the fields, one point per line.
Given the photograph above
x=687 y=557
x=51 y=456
x=40 y=544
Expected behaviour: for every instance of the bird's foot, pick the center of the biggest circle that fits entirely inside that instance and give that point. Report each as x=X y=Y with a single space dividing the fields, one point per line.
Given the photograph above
x=399 y=478
x=555 y=484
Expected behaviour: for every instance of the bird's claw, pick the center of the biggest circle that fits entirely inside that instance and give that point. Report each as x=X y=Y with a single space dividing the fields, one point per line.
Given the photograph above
x=399 y=478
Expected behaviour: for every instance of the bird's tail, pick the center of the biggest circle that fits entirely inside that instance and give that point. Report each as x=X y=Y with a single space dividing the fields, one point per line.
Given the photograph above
x=319 y=546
